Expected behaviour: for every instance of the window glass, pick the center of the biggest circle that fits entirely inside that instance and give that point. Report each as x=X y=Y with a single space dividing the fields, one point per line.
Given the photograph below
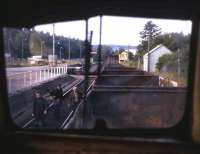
x=44 y=67
x=142 y=84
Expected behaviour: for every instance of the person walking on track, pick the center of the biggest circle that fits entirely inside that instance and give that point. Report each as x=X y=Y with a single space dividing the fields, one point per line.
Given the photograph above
x=39 y=109
x=58 y=101
x=76 y=95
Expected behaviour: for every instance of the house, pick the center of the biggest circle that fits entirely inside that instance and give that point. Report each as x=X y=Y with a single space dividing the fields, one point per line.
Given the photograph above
x=154 y=55
x=124 y=56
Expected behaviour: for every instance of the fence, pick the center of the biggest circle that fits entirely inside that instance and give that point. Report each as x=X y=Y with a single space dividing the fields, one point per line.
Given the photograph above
x=19 y=81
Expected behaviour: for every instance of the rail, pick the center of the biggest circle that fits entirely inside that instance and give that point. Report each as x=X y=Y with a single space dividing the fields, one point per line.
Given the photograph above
x=30 y=122
x=73 y=111
x=51 y=104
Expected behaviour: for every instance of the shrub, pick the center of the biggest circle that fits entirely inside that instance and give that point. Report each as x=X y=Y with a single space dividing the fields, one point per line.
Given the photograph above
x=163 y=60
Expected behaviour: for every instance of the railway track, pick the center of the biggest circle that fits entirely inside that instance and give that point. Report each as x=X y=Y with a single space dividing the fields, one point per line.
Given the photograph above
x=30 y=122
x=142 y=88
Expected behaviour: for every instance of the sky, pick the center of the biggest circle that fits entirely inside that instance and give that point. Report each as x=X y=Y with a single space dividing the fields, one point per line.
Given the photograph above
x=115 y=30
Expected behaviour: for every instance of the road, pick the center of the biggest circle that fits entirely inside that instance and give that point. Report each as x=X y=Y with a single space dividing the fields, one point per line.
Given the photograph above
x=19 y=78
x=16 y=70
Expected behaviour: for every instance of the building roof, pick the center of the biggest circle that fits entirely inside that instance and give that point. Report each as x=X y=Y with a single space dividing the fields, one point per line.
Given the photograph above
x=156 y=48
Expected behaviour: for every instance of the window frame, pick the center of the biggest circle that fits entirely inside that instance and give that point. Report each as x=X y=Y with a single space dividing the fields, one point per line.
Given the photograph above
x=181 y=131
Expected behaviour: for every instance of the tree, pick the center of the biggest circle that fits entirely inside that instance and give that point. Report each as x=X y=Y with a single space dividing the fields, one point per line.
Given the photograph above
x=121 y=50
x=16 y=42
x=178 y=43
x=174 y=41
x=130 y=56
x=106 y=51
x=150 y=31
x=163 y=60
x=35 y=43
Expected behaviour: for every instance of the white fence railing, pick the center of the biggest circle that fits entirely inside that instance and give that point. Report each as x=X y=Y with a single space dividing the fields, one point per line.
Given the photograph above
x=27 y=79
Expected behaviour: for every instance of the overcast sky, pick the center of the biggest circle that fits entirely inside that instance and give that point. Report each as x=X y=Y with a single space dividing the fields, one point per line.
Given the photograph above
x=115 y=30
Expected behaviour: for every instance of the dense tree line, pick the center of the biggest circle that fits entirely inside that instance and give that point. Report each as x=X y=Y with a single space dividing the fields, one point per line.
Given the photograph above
x=23 y=43
x=178 y=43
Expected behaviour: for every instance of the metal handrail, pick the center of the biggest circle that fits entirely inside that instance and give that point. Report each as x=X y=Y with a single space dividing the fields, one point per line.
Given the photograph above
x=73 y=111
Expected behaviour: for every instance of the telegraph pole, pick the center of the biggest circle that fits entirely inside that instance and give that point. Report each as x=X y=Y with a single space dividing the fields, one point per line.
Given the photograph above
x=80 y=51
x=42 y=42
x=148 y=54
x=60 y=52
x=22 y=56
x=138 y=64
x=100 y=46
x=179 y=66
x=53 y=44
x=69 y=48
x=22 y=49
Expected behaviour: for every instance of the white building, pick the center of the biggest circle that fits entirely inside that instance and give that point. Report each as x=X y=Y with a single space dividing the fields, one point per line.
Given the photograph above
x=154 y=55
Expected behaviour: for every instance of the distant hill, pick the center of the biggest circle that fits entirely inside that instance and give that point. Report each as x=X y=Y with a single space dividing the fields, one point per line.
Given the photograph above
x=116 y=47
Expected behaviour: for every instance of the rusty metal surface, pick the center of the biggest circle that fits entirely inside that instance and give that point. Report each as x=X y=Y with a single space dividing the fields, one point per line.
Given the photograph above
x=129 y=98
x=124 y=71
x=119 y=68
x=132 y=80
x=137 y=88
x=136 y=109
